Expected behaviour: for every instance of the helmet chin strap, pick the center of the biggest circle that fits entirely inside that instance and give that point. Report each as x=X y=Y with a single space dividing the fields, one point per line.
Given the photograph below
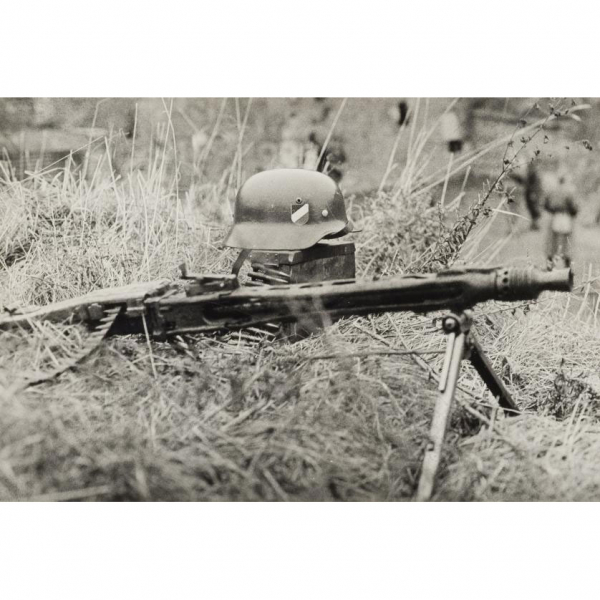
x=239 y=261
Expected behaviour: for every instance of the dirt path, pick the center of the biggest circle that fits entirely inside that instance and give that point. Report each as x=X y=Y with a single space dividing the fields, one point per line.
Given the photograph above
x=527 y=247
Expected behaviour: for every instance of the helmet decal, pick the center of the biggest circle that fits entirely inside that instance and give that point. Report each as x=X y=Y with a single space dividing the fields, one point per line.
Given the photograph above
x=300 y=212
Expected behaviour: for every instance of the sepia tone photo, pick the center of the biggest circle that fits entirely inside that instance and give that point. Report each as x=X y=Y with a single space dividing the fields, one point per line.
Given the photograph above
x=299 y=299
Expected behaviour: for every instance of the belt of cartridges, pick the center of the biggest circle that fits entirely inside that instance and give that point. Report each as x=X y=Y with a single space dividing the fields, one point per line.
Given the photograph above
x=260 y=275
x=93 y=340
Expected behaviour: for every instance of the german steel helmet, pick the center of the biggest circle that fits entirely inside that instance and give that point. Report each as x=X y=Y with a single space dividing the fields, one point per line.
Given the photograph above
x=287 y=209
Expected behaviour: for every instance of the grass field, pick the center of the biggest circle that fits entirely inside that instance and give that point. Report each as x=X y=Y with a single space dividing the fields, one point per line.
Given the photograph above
x=218 y=419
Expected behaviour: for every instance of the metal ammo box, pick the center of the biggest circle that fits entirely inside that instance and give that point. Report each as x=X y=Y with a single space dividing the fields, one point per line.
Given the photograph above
x=324 y=261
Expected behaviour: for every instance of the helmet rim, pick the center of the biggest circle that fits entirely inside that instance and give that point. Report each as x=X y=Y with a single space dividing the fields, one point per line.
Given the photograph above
x=277 y=236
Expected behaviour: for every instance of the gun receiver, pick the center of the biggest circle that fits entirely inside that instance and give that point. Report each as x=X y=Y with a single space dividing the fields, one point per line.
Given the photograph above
x=454 y=290
x=221 y=304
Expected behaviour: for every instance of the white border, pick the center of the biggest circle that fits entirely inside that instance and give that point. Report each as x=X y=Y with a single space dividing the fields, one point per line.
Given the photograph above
x=303 y=551
x=309 y=48
x=312 y=49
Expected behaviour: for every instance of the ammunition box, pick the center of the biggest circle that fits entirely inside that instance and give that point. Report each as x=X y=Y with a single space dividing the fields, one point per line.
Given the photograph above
x=325 y=261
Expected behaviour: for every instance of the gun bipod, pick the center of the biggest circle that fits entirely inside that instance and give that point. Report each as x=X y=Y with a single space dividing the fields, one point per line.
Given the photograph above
x=461 y=343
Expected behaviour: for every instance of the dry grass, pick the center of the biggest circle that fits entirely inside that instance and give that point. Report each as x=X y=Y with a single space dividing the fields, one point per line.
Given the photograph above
x=202 y=419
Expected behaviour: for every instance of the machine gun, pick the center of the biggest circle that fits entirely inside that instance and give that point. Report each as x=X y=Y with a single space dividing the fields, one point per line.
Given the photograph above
x=211 y=303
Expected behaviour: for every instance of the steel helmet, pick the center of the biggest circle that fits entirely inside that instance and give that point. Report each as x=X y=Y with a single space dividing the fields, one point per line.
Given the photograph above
x=287 y=209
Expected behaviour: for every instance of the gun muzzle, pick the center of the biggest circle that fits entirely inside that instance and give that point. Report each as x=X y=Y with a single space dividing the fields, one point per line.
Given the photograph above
x=523 y=284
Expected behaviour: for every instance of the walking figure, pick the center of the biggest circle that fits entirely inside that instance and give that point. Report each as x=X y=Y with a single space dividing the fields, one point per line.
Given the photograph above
x=451 y=132
x=291 y=150
x=533 y=189
x=560 y=202
x=302 y=140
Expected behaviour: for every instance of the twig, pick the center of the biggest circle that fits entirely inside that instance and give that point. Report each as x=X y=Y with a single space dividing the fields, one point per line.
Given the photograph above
x=328 y=138
x=491 y=425
x=154 y=373
x=72 y=494
x=364 y=354
x=245 y=415
x=276 y=487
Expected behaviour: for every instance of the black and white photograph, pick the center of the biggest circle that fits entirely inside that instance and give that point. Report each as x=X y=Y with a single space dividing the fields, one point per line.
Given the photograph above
x=299 y=301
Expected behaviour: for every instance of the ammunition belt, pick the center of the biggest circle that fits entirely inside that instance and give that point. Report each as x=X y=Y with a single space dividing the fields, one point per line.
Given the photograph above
x=93 y=340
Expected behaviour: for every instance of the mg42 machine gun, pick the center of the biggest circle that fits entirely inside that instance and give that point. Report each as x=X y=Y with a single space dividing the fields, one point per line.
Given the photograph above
x=285 y=220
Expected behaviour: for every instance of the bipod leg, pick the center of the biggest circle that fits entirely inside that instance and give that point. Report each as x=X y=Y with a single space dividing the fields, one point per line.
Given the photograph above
x=483 y=366
x=455 y=349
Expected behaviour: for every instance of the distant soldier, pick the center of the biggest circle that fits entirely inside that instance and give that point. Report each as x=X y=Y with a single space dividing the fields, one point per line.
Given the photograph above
x=334 y=157
x=291 y=150
x=451 y=131
x=302 y=142
x=532 y=187
x=312 y=151
x=199 y=141
x=399 y=113
x=560 y=202
x=402 y=113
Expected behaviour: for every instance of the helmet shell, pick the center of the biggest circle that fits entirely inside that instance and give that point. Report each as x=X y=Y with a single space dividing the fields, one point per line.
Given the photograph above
x=287 y=209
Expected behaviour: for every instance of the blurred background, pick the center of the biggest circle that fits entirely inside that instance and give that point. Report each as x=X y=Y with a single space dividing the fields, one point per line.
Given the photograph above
x=36 y=131
x=367 y=144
